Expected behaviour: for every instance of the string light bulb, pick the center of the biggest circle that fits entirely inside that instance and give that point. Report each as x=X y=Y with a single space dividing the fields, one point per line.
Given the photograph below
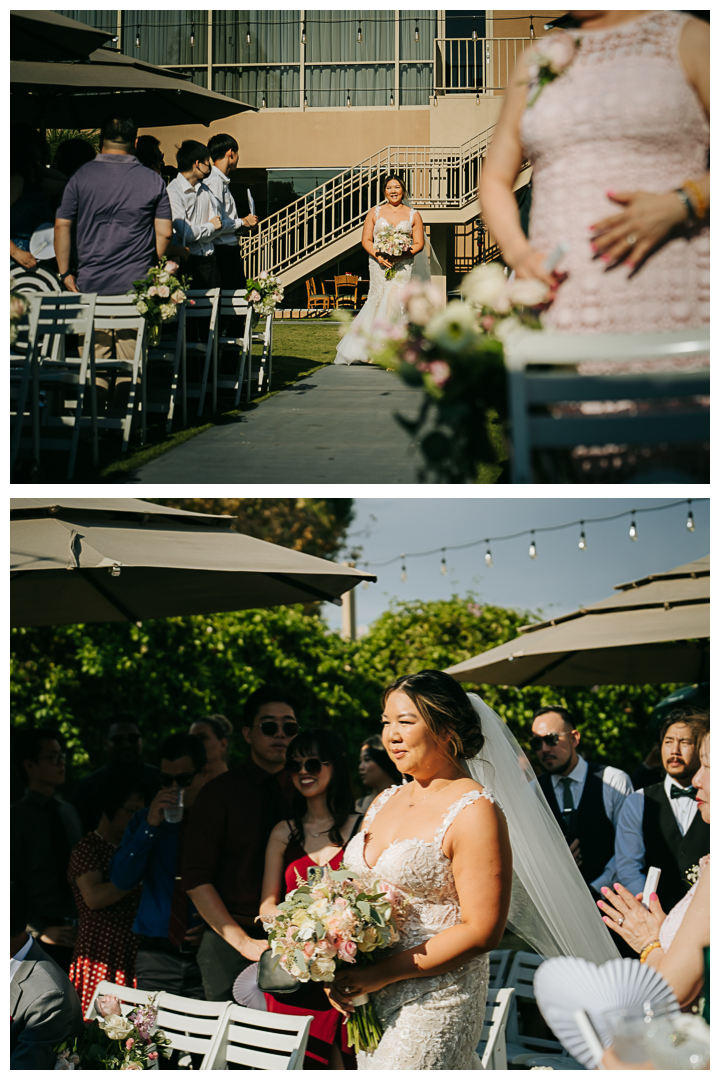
x=303 y=37
x=247 y=36
x=477 y=97
x=633 y=534
x=532 y=29
x=532 y=550
x=359 y=34
x=306 y=101
x=192 y=35
x=347 y=100
x=582 y=542
x=264 y=104
x=434 y=97
x=690 y=523
x=392 y=99
x=417 y=31
x=488 y=558
x=403 y=570
x=474 y=34
x=443 y=564
x=137 y=38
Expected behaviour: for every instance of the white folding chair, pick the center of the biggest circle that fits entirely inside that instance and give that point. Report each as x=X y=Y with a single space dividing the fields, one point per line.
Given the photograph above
x=263 y=336
x=260 y=1040
x=38 y=280
x=499 y=963
x=128 y=998
x=233 y=305
x=68 y=377
x=540 y=376
x=120 y=313
x=491 y=1048
x=21 y=376
x=520 y=1046
x=205 y=306
x=192 y=1026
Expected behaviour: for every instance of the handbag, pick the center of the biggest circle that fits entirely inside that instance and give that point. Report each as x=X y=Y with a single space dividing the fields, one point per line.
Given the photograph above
x=272 y=978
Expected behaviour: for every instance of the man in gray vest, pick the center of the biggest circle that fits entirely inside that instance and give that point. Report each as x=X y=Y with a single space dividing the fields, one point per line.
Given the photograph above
x=44 y=1006
x=586 y=798
x=660 y=825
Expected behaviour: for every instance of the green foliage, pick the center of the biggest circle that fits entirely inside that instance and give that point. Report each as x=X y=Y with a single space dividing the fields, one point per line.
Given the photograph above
x=170 y=671
x=55 y=136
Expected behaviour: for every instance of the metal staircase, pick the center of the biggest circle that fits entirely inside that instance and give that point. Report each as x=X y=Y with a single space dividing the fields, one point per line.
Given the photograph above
x=319 y=228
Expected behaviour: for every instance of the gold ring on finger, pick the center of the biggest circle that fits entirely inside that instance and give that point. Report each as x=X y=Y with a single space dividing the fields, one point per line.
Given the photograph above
x=631 y=239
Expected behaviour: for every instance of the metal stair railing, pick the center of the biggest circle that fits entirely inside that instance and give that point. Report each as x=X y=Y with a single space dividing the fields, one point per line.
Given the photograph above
x=442 y=177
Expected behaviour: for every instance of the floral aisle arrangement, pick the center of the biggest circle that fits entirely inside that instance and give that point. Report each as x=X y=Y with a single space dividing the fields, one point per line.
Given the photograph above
x=18 y=311
x=264 y=292
x=391 y=240
x=114 y=1041
x=158 y=295
x=331 y=922
x=455 y=353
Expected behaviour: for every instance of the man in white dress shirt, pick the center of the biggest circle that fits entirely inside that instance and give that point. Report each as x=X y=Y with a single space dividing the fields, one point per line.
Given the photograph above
x=198 y=218
x=224 y=153
x=586 y=798
x=660 y=825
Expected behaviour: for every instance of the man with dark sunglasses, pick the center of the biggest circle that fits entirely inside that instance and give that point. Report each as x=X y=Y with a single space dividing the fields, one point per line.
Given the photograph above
x=224 y=853
x=167 y=922
x=123 y=745
x=586 y=798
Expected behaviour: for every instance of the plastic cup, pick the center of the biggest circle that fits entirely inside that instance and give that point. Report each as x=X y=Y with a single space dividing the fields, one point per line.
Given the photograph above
x=173 y=814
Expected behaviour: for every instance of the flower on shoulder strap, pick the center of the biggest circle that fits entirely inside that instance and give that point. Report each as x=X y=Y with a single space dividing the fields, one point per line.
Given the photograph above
x=550 y=59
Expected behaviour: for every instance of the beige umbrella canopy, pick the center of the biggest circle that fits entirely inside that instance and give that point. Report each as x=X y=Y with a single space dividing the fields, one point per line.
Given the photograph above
x=96 y=560
x=45 y=35
x=654 y=630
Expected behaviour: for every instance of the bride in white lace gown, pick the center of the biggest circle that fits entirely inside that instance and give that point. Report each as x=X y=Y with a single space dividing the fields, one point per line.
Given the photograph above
x=383 y=305
x=441 y=843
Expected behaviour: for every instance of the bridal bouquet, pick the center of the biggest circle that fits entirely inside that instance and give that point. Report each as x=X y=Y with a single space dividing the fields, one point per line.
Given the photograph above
x=114 y=1041
x=392 y=240
x=455 y=354
x=264 y=293
x=158 y=295
x=18 y=311
x=330 y=922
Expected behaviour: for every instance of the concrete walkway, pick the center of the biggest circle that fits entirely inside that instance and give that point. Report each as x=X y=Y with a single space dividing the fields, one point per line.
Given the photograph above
x=333 y=427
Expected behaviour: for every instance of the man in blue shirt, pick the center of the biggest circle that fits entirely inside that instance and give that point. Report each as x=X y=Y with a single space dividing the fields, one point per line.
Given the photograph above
x=167 y=921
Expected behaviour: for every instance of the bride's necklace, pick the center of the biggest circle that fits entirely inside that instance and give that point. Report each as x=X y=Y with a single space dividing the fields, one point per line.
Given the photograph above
x=418 y=801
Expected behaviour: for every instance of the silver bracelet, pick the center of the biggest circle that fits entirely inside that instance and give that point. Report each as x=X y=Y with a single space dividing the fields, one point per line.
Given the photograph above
x=687 y=203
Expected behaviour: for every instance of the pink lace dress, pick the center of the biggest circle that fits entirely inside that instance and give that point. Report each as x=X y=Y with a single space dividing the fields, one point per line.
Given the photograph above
x=622 y=117
x=675 y=916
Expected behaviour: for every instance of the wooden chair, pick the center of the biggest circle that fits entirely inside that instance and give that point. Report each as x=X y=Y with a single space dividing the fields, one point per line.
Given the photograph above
x=260 y=1040
x=120 y=313
x=233 y=306
x=316 y=299
x=499 y=963
x=540 y=372
x=346 y=290
x=207 y=302
x=263 y=334
x=31 y=281
x=491 y=1048
x=192 y=1026
x=51 y=371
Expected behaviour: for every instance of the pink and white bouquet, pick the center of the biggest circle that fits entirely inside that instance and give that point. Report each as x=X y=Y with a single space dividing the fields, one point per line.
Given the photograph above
x=334 y=921
x=392 y=240
x=114 y=1041
x=264 y=292
x=159 y=294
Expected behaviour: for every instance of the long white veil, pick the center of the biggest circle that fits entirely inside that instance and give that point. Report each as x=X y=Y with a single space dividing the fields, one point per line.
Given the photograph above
x=425 y=260
x=551 y=906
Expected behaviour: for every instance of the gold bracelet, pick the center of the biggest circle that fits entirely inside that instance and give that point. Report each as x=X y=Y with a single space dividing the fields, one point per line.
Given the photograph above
x=648 y=949
x=697 y=198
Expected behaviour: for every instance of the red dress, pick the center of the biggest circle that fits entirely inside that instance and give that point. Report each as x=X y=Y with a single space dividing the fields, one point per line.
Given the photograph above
x=310 y=997
x=106 y=946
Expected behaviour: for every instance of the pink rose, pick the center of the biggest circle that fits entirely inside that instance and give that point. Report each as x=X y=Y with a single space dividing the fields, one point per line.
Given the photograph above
x=129 y=1043
x=347 y=952
x=178 y=296
x=439 y=372
x=108 y=1005
x=308 y=949
x=487 y=322
x=171 y=267
x=340 y=903
x=132 y=1065
x=254 y=297
x=558 y=51
x=324 y=948
x=153 y=291
x=153 y=1055
x=163 y=291
x=391 y=891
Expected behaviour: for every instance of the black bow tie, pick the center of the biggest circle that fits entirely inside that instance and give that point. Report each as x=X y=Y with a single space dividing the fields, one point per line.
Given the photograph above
x=678 y=792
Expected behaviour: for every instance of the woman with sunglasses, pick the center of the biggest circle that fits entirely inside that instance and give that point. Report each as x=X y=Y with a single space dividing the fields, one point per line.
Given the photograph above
x=323 y=821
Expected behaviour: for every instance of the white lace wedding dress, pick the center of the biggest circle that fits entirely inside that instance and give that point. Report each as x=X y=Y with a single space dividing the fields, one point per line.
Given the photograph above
x=433 y=1022
x=382 y=306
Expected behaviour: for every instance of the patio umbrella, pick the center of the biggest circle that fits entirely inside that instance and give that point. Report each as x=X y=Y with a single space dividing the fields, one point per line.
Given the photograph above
x=97 y=560
x=83 y=95
x=653 y=630
x=45 y=35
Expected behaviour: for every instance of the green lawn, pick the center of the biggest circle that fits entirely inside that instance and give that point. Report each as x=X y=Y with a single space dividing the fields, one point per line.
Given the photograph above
x=299 y=348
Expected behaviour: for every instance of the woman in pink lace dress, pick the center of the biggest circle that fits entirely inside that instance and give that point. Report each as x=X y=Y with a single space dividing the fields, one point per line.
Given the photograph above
x=672 y=943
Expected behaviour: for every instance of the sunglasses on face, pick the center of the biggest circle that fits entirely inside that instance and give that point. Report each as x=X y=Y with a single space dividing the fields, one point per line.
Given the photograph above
x=551 y=740
x=271 y=727
x=311 y=765
x=183 y=779
x=118 y=740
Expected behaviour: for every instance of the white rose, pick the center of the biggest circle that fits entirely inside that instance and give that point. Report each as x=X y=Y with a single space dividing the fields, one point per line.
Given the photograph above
x=162 y=278
x=507 y=328
x=453 y=329
x=486 y=286
x=116 y=1027
x=141 y=307
x=167 y=311
x=319 y=907
x=322 y=969
x=557 y=52
x=529 y=292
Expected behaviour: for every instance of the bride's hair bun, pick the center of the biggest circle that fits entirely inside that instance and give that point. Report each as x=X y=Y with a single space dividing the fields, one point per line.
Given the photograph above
x=444 y=707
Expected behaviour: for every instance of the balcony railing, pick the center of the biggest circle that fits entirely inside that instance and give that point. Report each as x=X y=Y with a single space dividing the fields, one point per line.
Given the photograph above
x=476 y=66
